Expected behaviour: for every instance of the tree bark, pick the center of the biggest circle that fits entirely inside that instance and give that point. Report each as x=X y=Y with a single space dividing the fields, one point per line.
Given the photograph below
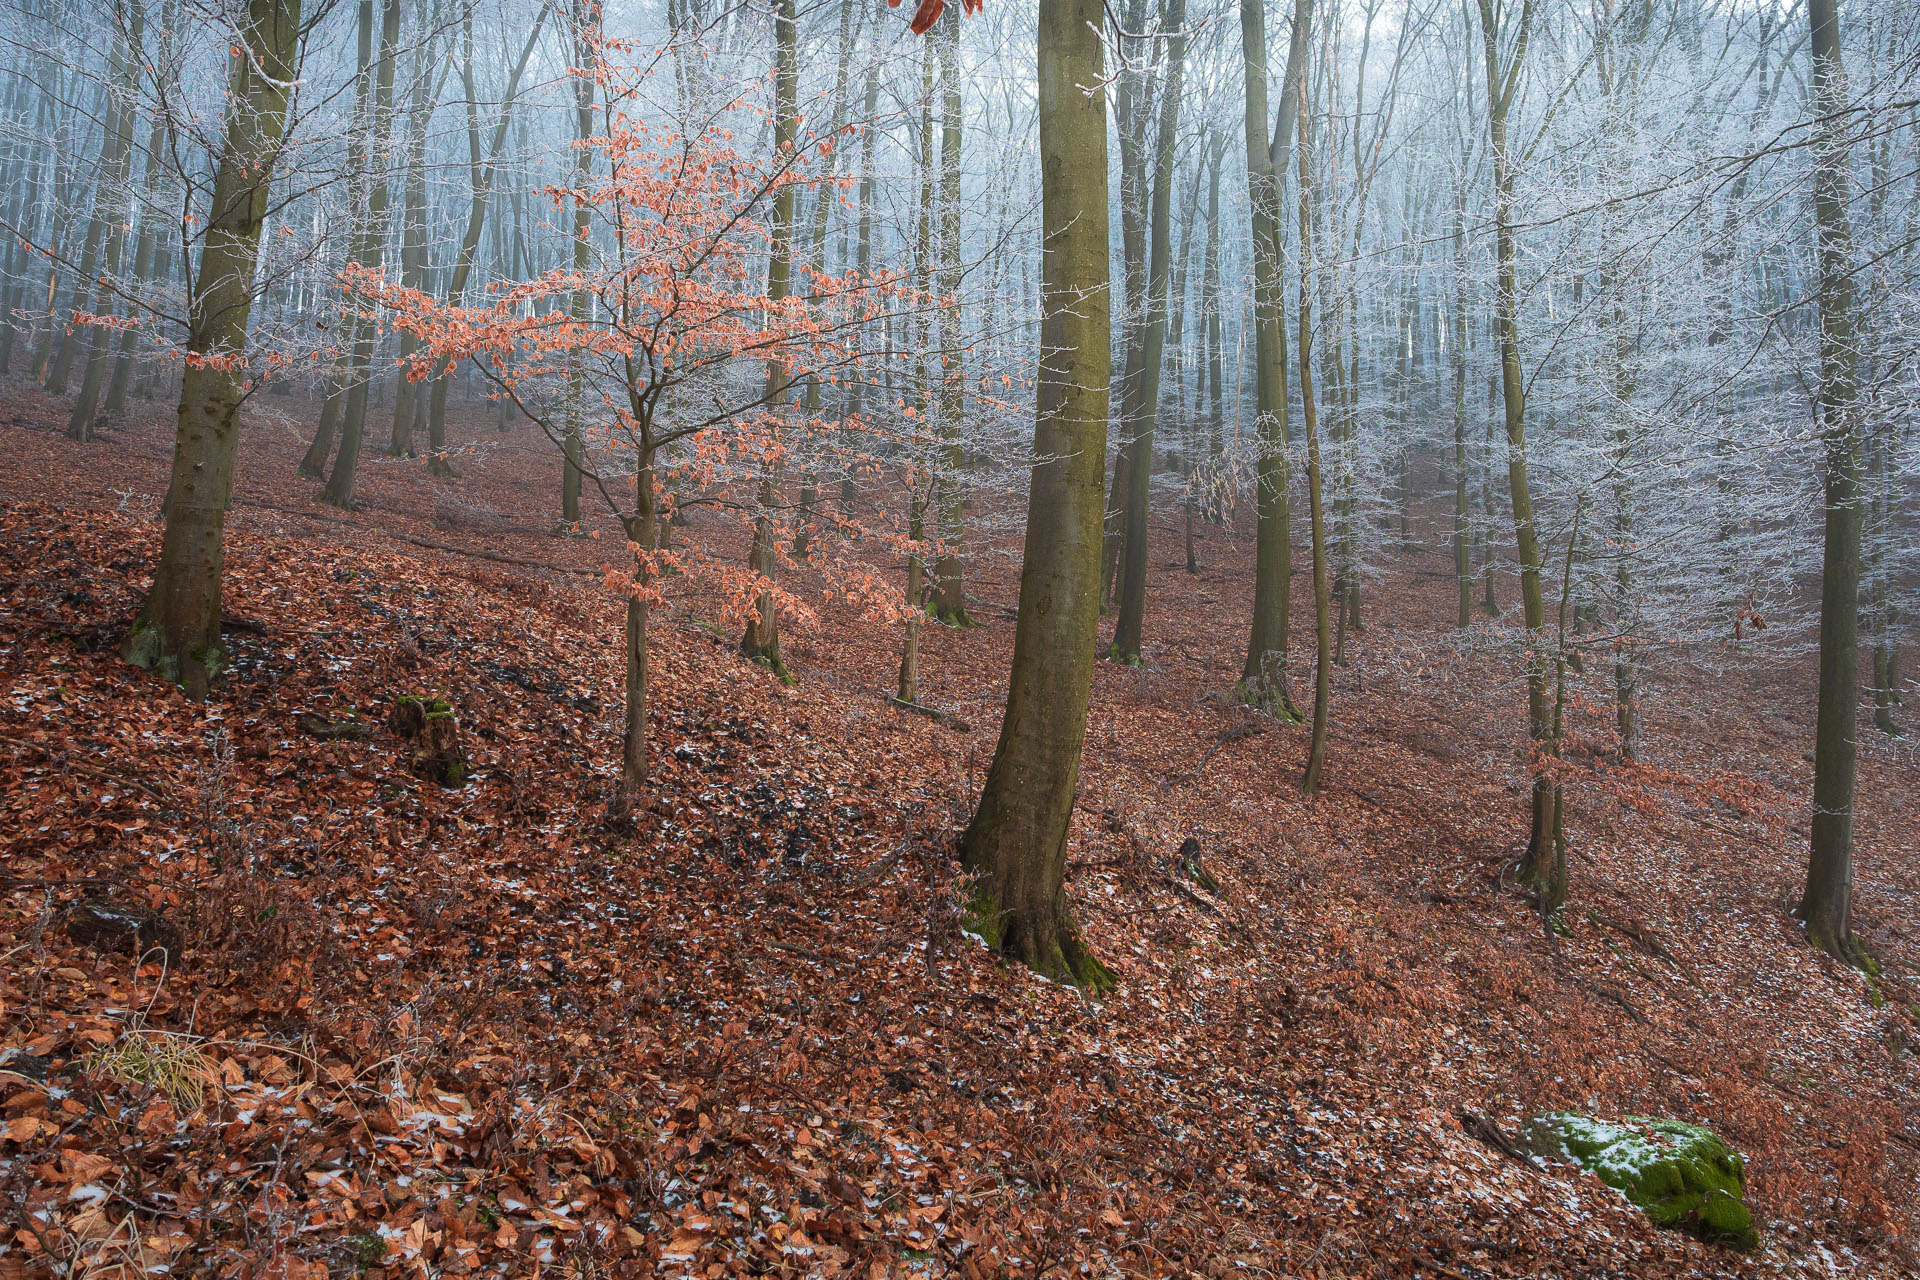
x=1015 y=845
x=1140 y=398
x=178 y=631
x=1263 y=677
x=1827 y=905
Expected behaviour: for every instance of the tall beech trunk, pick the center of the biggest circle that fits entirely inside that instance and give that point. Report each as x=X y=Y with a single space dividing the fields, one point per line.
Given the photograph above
x=112 y=205
x=1140 y=396
x=1542 y=869
x=370 y=242
x=1462 y=563
x=1263 y=677
x=573 y=450
x=1827 y=904
x=178 y=631
x=1309 y=417
x=413 y=234
x=148 y=257
x=761 y=641
x=949 y=577
x=1016 y=845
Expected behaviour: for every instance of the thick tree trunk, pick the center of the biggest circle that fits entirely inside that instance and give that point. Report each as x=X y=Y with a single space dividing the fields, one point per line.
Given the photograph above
x=178 y=632
x=1016 y=844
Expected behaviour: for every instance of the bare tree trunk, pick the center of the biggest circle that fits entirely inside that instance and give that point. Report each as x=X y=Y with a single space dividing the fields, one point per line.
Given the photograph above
x=1542 y=869
x=1309 y=416
x=1016 y=844
x=111 y=204
x=178 y=631
x=1140 y=399
x=1263 y=677
x=949 y=578
x=1827 y=905
x=761 y=643
x=367 y=252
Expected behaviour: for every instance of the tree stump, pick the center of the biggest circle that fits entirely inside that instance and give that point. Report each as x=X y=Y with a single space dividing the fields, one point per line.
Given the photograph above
x=430 y=725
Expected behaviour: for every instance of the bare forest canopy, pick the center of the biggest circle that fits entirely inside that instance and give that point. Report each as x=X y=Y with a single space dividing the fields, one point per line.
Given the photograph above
x=1340 y=575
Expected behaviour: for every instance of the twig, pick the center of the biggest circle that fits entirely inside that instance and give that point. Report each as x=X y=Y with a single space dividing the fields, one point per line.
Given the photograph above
x=934 y=714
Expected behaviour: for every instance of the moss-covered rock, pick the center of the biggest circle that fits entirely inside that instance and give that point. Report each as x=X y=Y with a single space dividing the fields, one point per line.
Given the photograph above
x=1682 y=1175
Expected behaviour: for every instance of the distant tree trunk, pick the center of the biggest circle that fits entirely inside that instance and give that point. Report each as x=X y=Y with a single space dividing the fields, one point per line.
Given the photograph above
x=481 y=165
x=178 y=631
x=1323 y=603
x=1827 y=905
x=1263 y=677
x=761 y=643
x=1543 y=868
x=1210 y=311
x=1016 y=844
x=1462 y=564
x=147 y=249
x=367 y=252
x=414 y=214
x=574 y=449
x=1140 y=398
x=949 y=578
x=863 y=263
x=112 y=205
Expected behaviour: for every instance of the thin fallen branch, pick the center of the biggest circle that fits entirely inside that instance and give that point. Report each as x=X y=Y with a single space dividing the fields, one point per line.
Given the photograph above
x=934 y=714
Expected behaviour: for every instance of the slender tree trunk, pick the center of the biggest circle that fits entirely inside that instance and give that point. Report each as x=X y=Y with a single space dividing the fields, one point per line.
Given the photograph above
x=1462 y=564
x=1309 y=417
x=178 y=631
x=414 y=214
x=761 y=643
x=1827 y=905
x=367 y=254
x=1263 y=677
x=949 y=577
x=1542 y=872
x=1141 y=396
x=1015 y=845
x=112 y=204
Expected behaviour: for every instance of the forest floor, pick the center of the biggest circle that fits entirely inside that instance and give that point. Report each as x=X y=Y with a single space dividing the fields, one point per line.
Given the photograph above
x=403 y=1030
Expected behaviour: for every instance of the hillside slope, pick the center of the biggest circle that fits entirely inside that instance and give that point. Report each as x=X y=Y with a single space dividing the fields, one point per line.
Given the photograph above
x=404 y=1030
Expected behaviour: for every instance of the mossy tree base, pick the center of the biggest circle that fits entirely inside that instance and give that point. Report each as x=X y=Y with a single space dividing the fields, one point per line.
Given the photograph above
x=146 y=647
x=1054 y=949
x=1268 y=698
x=1683 y=1176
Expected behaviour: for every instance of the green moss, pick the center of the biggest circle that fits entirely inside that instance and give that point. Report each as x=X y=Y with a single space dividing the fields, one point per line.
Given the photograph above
x=1067 y=960
x=1683 y=1176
